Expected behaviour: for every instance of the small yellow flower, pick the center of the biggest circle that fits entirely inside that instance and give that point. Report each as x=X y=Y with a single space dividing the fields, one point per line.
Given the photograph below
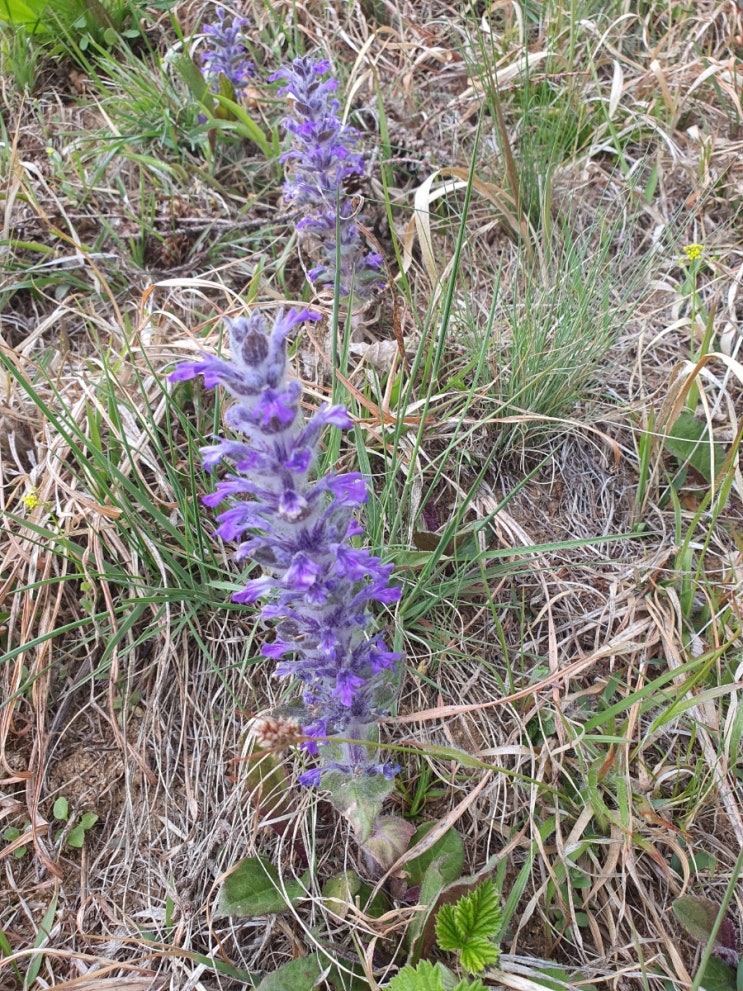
x=31 y=499
x=693 y=251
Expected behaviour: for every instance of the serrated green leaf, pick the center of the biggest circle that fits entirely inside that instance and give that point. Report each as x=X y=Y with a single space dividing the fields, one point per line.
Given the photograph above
x=296 y=975
x=476 y=915
x=61 y=809
x=254 y=888
x=478 y=953
x=474 y=985
x=448 y=934
x=486 y=914
x=448 y=851
x=469 y=926
x=424 y=977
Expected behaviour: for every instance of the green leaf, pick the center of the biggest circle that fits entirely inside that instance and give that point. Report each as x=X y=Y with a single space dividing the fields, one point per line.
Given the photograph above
x=76 y=836
x=689 y=443
x=45 y=928
x=478 y=953
x=696 y=915
x=448 y=935
x=348 y=977
x=718 y=976
x=374 y=906
x=6 y=950
x=226 y=93
x=339 y=892
x=431 y=887
x=194 y=80
x=469 y=926
x=360 y=800
x=698 y=863
x=269 y=790
x=474 y=985
x=296 y=975
x=246 y=125
x=388 y=840
x=557 y=979
x=61 y=809
x=424 y=977
x=254 y=888
x=448 y=851
x=23 y=13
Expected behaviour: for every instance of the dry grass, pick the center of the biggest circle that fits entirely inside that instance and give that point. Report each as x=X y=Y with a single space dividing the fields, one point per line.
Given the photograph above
x=587 y=651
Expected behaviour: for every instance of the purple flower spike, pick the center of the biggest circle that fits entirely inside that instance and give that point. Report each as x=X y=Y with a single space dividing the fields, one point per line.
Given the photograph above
x=316 y=586
x=227 y=55
x=323 y=160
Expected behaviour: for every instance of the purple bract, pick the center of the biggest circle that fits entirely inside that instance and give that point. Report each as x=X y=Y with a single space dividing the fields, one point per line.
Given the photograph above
x=227 y=55
x=323 y=159
x=316 y=586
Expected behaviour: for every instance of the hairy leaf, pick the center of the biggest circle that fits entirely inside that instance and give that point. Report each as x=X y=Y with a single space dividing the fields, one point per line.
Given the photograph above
x=424 y=977
x=478 y=953
x=296 y=975
x=254 y=888
x=469 y=926
x=697 y=916
x=388 y=840
x=448 y=851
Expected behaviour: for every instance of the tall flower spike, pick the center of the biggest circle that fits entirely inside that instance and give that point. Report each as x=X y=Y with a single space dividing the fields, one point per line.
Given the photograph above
x=323 y=160
x=227 y=55
x=316 y=586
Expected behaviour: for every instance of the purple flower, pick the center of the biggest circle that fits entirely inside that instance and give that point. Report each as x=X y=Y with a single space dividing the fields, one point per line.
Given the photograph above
x=227 y=55
x=323 y=158
x=316 y=586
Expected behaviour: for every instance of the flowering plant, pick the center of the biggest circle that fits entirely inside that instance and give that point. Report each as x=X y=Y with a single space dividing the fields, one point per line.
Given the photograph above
x=226 y=57
x=324 y=160
x=316 y=585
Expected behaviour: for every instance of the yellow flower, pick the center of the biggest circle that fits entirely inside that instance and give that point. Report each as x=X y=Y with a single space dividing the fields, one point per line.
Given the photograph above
x=693 y=251
x=31 y=499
